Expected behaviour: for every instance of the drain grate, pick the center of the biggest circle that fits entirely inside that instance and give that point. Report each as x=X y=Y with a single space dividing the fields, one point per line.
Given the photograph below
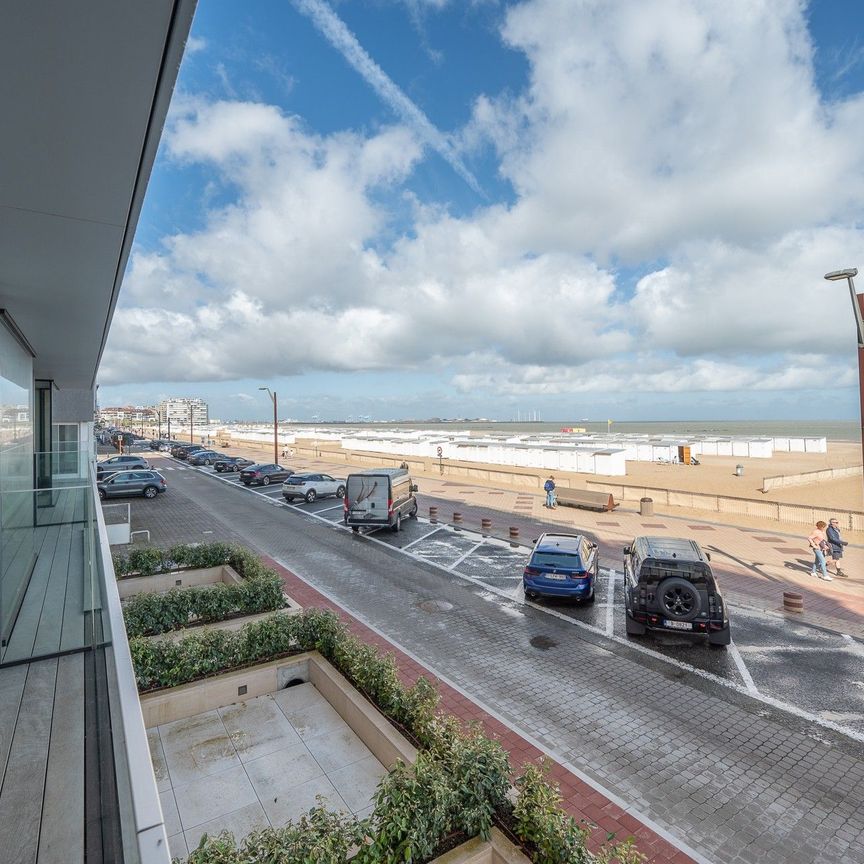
x=544 y=643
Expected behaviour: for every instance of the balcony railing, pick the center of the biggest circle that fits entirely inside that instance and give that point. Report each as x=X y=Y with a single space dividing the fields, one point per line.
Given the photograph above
x=60 y=612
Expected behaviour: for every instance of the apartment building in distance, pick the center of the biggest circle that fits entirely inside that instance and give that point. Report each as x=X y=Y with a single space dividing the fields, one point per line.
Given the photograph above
x=177 y=410
x=128 y=416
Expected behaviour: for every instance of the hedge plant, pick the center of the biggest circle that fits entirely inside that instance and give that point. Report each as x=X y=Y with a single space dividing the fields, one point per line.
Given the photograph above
x=150 y=614
x=149 y=560
x=459 y=782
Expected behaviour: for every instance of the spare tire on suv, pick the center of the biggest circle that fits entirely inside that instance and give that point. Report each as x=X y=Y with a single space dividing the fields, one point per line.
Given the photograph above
x=669 y=586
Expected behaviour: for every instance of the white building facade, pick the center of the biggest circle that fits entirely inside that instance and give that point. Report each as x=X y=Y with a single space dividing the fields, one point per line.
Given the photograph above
x=177 y=410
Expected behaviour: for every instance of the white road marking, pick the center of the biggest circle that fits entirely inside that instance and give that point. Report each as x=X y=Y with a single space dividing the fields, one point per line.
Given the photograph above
x=560 y=759
x=742 y=669
x=328 y=509
x=437 y=529
x=512 y=597
x=461 y=558
x=610 y=603
x=854 y=644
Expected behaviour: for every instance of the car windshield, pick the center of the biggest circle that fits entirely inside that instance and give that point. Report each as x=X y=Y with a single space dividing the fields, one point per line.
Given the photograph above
x=556 y=559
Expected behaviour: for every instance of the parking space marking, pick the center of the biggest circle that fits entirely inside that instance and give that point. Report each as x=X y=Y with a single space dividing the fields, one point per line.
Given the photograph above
x=512 y=596
x=461 y=558
x=743 y=670
x=435 y=531
x=339 y=506
x=610 y=603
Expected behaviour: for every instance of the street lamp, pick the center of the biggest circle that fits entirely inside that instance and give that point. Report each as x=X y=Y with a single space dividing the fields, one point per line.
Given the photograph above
x=191 y=438
x=272 y=395
x=858 y=311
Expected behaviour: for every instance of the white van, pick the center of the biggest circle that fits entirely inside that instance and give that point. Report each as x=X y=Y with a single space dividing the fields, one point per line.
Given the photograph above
x=381 y=496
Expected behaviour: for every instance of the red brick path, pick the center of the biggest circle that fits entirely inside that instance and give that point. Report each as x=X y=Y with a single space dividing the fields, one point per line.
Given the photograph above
x=580 y=799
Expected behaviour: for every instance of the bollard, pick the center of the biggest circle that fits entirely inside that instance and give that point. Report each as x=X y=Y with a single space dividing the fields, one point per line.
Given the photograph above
x=433 y=515
x=514 y=536
x=457 y=520
x=485 y=527
x=793 y=602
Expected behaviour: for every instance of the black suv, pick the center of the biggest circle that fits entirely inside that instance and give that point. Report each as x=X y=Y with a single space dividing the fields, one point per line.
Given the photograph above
x=669 y=586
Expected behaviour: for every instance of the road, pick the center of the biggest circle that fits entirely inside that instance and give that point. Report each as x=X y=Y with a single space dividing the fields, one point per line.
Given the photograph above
x=748 y=755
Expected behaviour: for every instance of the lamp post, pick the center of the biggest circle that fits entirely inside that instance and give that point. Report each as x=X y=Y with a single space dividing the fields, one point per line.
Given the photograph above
x=191 y=438
x=168 y=418
x=858 y=311
x=272 y=395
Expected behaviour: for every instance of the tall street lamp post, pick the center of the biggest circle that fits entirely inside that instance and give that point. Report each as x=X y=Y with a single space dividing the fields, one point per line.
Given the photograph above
x=272 y=395
x=858 y=311
x=191 y=437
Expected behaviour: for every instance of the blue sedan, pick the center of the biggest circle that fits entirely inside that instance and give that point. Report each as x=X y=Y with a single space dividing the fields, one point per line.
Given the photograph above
x=562 y=565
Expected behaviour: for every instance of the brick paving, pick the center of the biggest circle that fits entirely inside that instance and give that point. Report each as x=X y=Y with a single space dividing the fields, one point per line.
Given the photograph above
x=736 y=780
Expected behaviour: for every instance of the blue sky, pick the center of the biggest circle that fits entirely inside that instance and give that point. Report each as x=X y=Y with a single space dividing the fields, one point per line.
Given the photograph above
x=419 y=208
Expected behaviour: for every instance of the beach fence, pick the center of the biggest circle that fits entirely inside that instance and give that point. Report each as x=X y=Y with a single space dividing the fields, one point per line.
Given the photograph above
x=793 y=514
x=783 y=481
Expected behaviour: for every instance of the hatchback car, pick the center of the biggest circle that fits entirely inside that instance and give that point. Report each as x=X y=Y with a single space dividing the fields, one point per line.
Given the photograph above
x=120 y=463
x=311 y=486
x=232 y=463
x=205 y=457
x=669 y=586
x=562 y=565
x=265 y=474
x=146 y=483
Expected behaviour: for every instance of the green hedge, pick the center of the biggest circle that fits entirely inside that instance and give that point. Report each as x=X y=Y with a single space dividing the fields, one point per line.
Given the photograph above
x=150 y=614
x=150 y=560
x=458 y=783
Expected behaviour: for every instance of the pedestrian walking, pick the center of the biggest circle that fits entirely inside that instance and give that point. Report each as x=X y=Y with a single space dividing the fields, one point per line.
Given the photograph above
x=835 y=545
x=549 y=487
x=819 y=544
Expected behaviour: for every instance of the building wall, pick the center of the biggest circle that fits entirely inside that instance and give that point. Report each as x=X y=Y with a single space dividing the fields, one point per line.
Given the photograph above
x=178 y=411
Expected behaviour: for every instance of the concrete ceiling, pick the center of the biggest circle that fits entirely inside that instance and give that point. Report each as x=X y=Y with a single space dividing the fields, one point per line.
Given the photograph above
x=83 y=97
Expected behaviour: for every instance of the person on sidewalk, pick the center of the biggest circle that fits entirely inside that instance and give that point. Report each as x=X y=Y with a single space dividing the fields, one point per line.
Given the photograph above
x=835 y=545
x=819 y=544
x=549 y=487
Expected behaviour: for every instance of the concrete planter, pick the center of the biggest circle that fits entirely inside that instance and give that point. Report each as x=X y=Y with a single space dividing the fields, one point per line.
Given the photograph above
x=373 y=729
x=496 y=850
x=161 y=582
x=230 y=624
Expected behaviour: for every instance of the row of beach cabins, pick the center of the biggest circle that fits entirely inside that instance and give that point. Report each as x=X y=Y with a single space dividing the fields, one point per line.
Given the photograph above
x=587 y=454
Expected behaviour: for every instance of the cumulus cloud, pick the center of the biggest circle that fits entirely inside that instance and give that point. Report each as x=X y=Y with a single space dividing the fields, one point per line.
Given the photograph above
x=686 y=140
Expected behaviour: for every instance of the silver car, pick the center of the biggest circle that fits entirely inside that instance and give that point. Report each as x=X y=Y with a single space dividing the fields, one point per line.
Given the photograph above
x=311 y=486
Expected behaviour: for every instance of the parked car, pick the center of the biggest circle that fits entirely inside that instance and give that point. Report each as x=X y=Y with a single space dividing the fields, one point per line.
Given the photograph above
x=669 y=586
x=265 y=474
x=380 y=496
x=562 y=565
x=119 y=463
x=122 y=483
x=205 y=457
x=168 y=446
x=311 y=486
x=232 y=463
x=154 y=444
x=186 y=450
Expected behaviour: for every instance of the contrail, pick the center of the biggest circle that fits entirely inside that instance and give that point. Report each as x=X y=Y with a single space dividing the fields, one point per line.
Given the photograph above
x=340 y=37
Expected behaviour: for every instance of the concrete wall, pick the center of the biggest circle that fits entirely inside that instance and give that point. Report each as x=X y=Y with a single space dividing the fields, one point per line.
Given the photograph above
x=783 y=481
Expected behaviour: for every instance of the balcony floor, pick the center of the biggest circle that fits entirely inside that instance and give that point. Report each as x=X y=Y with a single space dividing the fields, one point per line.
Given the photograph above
x=42 y=795
x=52 y=613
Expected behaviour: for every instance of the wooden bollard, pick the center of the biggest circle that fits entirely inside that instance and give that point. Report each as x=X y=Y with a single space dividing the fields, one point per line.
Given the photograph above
x=793 y=602
x=433 y=515
x=457 y=520
x=514 y=536
x=485 y=527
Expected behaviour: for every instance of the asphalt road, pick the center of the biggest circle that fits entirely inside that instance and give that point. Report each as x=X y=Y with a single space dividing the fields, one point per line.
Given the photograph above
x=750 y=754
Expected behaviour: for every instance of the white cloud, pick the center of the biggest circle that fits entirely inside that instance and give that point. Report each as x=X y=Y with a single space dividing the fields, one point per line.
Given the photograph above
x=689 y=134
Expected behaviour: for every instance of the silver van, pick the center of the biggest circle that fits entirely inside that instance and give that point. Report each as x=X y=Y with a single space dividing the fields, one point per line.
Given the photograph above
x=380 y=496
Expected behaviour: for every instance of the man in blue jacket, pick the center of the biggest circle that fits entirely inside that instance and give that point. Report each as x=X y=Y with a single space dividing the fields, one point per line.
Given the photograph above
x=549 y=488
x=836 y=544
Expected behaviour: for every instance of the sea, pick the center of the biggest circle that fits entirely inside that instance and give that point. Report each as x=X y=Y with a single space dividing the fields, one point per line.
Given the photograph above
x=833 y=430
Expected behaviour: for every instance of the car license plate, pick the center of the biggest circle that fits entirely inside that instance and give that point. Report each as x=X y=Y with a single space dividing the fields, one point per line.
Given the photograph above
x=560 y=577
x=678 y=625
